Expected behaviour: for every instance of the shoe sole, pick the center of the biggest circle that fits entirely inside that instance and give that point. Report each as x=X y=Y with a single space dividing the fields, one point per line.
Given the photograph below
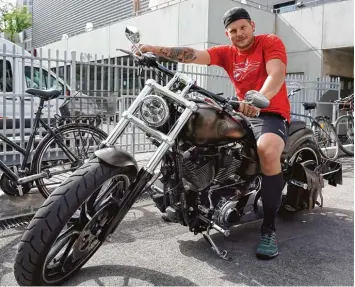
x=266 y=257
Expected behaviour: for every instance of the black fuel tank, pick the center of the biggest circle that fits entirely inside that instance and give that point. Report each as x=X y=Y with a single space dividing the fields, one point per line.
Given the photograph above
x=209 y=126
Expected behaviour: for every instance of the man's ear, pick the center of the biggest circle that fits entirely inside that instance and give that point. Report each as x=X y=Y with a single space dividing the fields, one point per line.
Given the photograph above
x=226 y=32
x=252 y=23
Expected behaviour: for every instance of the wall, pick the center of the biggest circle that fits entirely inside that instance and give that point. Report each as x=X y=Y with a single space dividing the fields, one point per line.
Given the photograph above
x=338 y=26
x=308 y=31
x=198 y=23
x=53 y=18
x=174 y=30
x=339 y=63
x=264 y=20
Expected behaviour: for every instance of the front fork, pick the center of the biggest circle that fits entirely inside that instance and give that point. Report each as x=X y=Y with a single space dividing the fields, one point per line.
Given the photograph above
x=118 y=208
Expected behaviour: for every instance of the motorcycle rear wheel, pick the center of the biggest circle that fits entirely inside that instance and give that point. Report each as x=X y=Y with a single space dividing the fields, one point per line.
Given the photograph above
x=44 y=233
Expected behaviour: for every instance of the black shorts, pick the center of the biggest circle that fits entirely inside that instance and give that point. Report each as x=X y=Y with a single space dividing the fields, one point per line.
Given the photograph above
x=270 y=123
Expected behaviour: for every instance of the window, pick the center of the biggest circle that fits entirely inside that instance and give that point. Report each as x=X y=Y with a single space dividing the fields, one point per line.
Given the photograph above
x=35 y=81
x=28 y=45
x=285 y=7
x=8 y=76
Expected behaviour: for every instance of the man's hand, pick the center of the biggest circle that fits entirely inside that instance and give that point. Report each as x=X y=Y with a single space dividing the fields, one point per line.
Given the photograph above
x=248 y=110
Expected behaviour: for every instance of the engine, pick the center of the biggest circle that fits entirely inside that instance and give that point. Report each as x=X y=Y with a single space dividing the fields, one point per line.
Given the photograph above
x=204 y=167
x=216 y=178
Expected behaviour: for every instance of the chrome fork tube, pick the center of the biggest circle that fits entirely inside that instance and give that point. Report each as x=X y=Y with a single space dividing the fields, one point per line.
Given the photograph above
x=164 y=147
x=124 y=121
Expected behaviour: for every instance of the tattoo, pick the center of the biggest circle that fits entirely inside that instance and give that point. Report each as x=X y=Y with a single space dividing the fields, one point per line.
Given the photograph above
x=183 y=55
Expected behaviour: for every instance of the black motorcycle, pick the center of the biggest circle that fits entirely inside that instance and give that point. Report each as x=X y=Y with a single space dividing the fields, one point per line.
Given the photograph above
x=206 y=160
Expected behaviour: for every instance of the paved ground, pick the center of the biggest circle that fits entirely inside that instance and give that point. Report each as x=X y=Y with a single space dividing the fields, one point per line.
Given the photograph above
x=316 y=248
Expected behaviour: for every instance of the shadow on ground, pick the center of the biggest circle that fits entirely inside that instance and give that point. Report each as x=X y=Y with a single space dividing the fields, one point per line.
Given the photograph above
x=316 y=248
x=153 y=277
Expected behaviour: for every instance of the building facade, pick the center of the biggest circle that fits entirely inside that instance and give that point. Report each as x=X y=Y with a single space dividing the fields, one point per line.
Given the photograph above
x=52 y=19
x=315 y=45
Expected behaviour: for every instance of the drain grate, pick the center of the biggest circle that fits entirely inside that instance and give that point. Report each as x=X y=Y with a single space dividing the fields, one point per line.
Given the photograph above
x=14 y=222
x=24 y=220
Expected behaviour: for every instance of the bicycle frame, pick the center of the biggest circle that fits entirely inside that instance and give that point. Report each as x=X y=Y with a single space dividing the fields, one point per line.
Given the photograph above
x=26 y=152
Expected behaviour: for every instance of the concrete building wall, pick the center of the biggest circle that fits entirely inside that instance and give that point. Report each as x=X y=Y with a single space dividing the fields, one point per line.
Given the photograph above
x=339 y=63
x=264 y=20
x=53 y=18
x=308 y=31
x=198 y=23
x=338 y=25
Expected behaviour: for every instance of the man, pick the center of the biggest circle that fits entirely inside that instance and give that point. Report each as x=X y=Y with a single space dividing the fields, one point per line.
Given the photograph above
x=252 y=63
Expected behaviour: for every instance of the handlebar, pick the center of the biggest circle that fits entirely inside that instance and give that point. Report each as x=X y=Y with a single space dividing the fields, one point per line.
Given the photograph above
x=293 y=92
x=196 y=88
x=149 y=60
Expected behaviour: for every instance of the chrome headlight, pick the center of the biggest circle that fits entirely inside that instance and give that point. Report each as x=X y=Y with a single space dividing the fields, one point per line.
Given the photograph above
x=154 y=111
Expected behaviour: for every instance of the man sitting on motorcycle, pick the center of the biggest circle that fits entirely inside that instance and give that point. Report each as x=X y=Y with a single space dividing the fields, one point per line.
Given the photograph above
x=253 y=62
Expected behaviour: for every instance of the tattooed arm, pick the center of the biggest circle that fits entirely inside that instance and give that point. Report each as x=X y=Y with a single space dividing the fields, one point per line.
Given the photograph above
x=179 y=54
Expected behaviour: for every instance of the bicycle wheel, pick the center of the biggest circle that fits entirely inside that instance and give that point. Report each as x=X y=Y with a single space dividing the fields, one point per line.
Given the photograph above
x=326 y=138
x=80 y=140
x=344 y=127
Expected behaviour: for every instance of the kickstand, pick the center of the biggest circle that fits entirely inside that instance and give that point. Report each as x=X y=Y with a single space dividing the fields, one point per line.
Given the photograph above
x=222 y=254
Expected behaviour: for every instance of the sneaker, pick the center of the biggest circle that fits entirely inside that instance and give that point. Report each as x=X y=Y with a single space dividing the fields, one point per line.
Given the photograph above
x=267 y=247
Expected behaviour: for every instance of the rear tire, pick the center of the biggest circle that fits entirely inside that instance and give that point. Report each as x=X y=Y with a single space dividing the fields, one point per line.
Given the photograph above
x=48 y=222
x=310 y=151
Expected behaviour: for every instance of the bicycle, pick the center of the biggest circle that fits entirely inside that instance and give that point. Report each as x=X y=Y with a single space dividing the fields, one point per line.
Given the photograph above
x=324 y=131
x=53 y=147
x=344 y=125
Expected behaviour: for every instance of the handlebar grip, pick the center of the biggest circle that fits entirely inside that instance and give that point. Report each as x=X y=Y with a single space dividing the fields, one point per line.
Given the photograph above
x=234 y=105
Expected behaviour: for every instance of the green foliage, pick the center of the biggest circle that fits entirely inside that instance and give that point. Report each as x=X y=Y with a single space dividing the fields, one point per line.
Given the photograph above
x=14 y=20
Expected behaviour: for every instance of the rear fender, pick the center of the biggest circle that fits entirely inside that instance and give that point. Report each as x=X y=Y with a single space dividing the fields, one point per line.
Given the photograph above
x=117 y=157
x=295 y=140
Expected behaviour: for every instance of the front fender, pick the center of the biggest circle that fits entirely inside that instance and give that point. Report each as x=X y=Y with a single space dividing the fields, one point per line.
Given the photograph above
x=116 y=157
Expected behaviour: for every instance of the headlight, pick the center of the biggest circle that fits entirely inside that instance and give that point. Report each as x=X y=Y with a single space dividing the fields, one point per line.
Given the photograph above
x=154 y=111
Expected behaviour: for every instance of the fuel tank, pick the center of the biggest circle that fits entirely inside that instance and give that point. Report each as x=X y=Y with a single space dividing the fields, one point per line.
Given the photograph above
x=210 y=126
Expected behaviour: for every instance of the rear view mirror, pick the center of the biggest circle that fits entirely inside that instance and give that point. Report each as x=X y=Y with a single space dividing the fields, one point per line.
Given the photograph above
x=132 y=34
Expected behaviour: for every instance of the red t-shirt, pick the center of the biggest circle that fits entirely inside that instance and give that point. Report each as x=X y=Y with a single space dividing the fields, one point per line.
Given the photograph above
x=247 y=69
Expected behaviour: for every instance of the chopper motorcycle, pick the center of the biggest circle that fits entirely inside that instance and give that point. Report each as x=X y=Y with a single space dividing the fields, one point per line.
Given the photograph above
x=209 y=169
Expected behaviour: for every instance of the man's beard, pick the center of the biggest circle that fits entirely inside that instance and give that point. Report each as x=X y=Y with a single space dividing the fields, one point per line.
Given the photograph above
x=244 y=44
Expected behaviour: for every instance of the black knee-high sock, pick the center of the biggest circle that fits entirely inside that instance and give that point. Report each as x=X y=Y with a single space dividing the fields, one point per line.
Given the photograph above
x=271 y=190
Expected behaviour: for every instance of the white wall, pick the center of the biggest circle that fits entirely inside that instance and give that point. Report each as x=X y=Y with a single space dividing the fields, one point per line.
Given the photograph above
x=308 y=31
x=338 y=27
x=180 y=24
x=198 y=24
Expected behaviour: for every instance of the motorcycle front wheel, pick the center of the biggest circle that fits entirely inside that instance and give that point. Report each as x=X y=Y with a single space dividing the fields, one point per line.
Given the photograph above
x=63 y=235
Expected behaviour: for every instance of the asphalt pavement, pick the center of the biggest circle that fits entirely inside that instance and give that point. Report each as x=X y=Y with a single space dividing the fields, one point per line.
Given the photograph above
x=316 y=249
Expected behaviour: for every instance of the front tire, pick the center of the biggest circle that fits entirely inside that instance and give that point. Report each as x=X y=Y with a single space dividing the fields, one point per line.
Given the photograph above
x=45 y=229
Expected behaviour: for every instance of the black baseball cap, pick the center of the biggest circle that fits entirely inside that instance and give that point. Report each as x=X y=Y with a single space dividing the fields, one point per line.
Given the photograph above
x=235 y=14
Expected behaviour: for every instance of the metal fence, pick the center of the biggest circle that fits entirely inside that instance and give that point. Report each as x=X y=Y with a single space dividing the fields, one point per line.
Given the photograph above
x=103 y=87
